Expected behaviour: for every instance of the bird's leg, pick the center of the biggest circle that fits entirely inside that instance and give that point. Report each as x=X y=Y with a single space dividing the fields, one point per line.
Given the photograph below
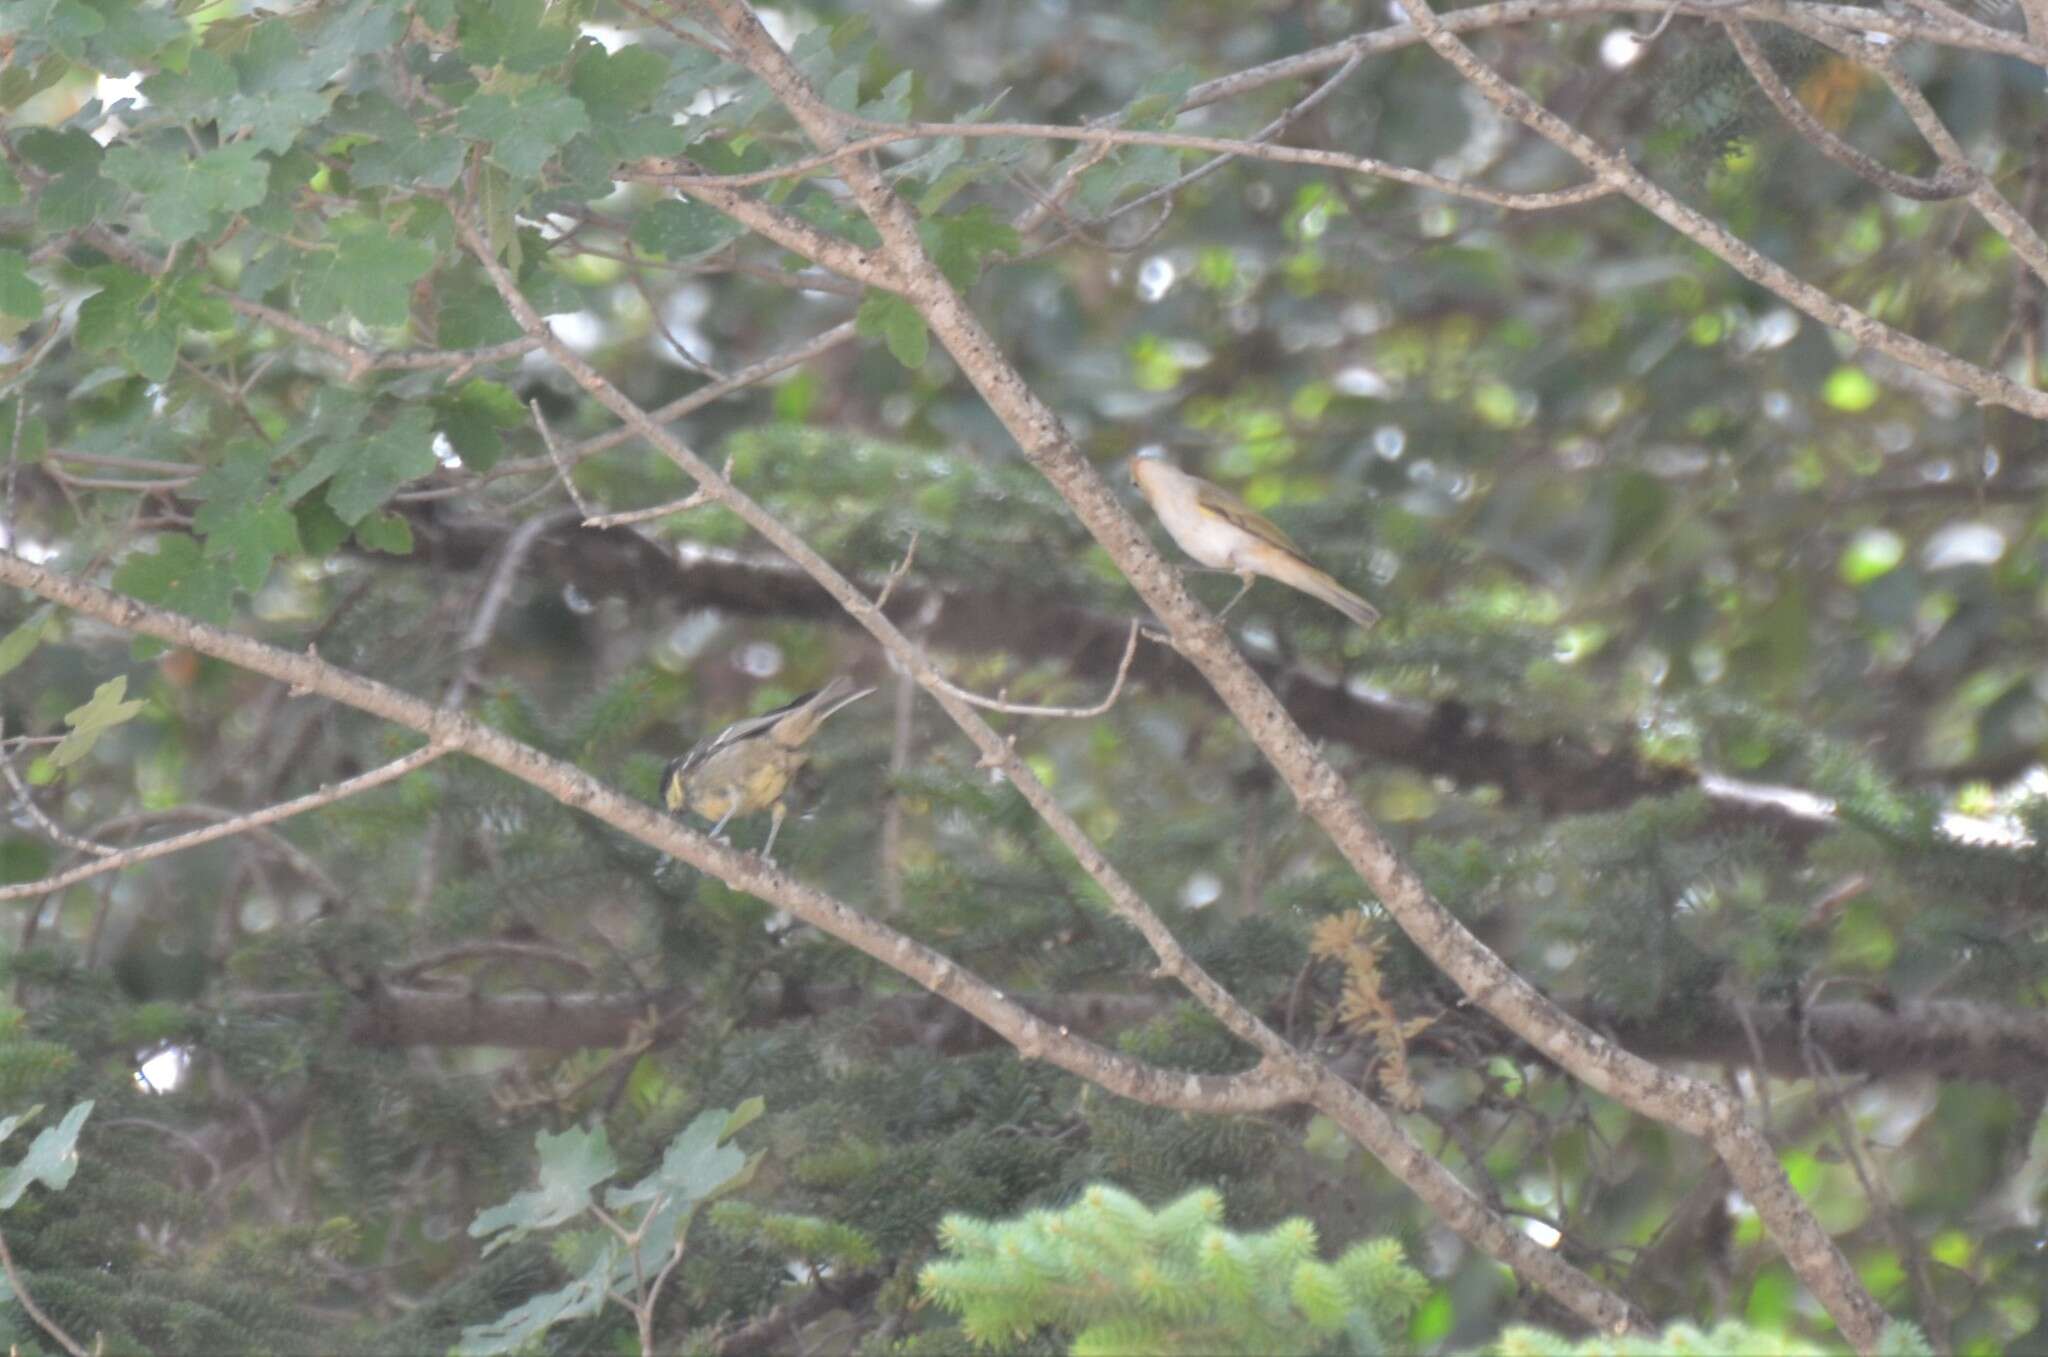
x=1242 y=590
x=774 y=827
x=732 y=805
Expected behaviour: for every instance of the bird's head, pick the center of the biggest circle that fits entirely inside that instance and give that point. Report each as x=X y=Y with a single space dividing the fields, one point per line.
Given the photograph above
x=1152 y=454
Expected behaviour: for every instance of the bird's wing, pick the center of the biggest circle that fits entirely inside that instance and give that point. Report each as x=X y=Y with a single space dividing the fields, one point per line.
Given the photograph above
x=1237 y=513
x=739 y=730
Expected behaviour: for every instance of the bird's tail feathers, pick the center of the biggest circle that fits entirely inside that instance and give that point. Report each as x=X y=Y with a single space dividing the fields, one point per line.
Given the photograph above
x=806 y=714
x=1313 y=582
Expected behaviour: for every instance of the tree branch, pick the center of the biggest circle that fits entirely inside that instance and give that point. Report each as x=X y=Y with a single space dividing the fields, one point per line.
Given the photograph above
x=1947 y=184
x=1687 y=1104
x=285 y=810
x=1255 y=1090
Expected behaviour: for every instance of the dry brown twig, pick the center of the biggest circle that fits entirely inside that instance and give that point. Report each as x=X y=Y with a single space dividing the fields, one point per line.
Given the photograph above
x=270 y=815
x=1116 y=687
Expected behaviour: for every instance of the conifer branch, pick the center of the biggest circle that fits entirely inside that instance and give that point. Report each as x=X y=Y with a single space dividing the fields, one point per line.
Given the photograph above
x=35 y=1311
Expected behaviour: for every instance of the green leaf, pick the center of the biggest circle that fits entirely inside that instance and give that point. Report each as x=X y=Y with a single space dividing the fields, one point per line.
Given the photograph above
x=571 y=1164
x=23 y=437
x=387 y=532
x=681 y=229
x=60 y=152
x=9 y=1125
x=189 y=196
x=472 y=419
x=205 y=82
x=320 y=532
x=74 y=201
x=697 y=1166
x=370 y=275
x=513 y=34
x=20 y=295
x=178 y=577
x=51 y=1159
x=94 y=719
x=19 y=644
x=614 y=85
x=107 y=318
x=251 y=536
x=897 y=323
x=960 y=243
x=472 y=315
x=1159 y=99
x=384 y=462
x=524 y=130
x=520 y=1328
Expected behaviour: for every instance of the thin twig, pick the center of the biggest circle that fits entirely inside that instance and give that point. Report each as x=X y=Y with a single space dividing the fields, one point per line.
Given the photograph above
x=562 y=467
x=896 y=575
x=1059 y=713
x=1997 y=211
x=1827 y=1083
x=773 y=365
x=1288 y=117
x=887 y=134
x=27 y=801
x=496 y=592
x=35 y=1311
x=129 y=857
x=696 y=499
x=1947 y=184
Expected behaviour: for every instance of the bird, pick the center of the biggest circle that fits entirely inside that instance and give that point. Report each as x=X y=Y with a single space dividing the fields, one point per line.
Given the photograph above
x=1224 y=533
x=747 y=767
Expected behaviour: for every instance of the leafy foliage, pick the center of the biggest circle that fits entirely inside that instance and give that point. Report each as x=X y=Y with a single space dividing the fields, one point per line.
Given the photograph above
x=1710 y=674
x=1120 y=1278
x=646 y=1223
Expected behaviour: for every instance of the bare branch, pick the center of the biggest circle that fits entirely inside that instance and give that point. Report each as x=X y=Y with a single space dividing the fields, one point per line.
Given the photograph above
x=1992 y=205
x=129 y=857
x=1225 y=147
x=1281 y=1062
x=896 y=575
x=696 y=499
x=562 y=467
x=27 y=801
x=1989 y=387
x=819 y=344
x=790 y=232
x=1270 y=1084
x=1947 y=184
x=1950 y=29
x=1059 y=713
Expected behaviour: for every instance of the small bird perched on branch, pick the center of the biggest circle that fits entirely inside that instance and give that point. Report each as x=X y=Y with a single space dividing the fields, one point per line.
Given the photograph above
x=746 y=768
x=1224 y=533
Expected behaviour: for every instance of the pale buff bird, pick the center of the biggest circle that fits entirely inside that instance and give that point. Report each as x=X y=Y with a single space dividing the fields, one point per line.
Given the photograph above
x=1224 y=533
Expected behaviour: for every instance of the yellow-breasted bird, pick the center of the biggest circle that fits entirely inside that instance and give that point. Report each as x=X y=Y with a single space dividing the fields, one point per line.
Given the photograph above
x=1224 y=533
x=746 y=768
